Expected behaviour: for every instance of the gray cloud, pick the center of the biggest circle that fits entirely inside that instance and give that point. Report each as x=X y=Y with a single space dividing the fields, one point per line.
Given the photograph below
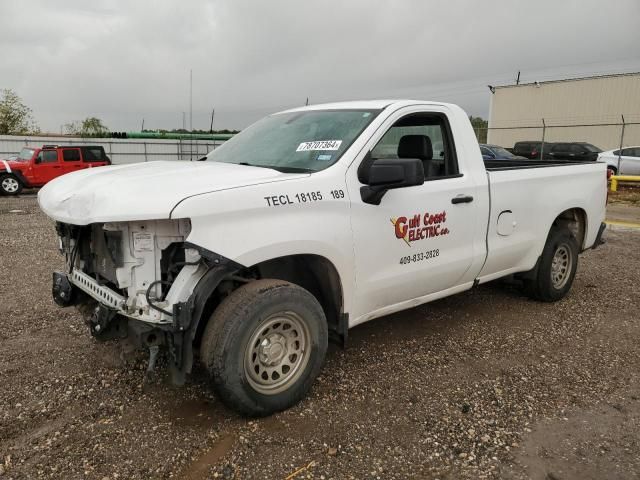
x=122 y=60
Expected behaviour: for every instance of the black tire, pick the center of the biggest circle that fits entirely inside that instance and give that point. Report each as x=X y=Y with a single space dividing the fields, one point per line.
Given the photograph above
x=236 y=356
x=614 y=170
x=10 y=185
x=553 y=280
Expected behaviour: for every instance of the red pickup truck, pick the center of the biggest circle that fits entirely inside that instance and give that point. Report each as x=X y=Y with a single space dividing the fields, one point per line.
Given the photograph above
x=36 y=166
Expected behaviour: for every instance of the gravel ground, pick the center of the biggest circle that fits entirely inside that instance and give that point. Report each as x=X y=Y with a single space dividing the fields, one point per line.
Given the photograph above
x=486 y=384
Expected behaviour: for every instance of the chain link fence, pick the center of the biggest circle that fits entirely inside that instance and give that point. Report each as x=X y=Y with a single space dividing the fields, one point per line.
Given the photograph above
x=605 y=135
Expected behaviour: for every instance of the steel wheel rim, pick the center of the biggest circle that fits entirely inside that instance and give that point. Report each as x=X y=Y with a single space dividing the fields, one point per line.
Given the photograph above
x=277 y=353
x=10 y=185
x=561 y=266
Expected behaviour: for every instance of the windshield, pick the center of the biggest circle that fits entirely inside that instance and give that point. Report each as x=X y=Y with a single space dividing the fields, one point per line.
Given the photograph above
x=591 y=148
x=25 y=154
x=306 y=141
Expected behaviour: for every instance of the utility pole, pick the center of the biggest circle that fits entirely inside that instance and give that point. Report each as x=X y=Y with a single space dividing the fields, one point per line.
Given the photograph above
x=212 y=114
x=191 y=111
x=184 y=122
x=518 y=78
x=142 y=129
x=307 y=103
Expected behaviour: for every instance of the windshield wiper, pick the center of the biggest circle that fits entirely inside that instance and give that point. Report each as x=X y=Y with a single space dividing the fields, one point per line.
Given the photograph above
x=284 y=169
x=280 y=168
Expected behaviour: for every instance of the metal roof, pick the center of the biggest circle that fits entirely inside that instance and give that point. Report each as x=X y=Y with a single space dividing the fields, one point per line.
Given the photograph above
x=576 y=79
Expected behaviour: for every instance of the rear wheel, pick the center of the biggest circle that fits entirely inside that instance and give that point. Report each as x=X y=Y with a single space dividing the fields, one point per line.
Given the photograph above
x=612 y=170
x=557 y=267
x=264 y=346
x=10 y=185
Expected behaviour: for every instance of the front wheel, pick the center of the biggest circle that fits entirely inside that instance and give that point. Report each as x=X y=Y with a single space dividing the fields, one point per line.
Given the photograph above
x=264 y=346
x=557 y=267
x=10 y=185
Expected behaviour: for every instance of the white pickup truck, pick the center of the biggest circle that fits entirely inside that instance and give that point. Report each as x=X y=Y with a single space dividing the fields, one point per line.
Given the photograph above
x=306 y=224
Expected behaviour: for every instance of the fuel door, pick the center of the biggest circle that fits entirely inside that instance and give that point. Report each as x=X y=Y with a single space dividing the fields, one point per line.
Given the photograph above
x=506 y=223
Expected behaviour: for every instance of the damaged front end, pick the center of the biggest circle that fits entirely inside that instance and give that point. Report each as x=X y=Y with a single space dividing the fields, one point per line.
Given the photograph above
x=140 y=281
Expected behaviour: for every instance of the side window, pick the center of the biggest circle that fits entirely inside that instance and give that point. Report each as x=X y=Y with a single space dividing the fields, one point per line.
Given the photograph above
x=578 y=149
x=92 y=154
x=48 y=156
x=425 y=136
x=628 y=152
x=71 y=154
x=486 y=151
x=560 y=148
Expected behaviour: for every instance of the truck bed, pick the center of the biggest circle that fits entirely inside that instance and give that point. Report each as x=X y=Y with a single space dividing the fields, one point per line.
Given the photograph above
x=531 y=196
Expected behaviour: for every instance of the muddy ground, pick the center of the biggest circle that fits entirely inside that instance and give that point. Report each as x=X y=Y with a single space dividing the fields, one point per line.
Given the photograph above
x=485 y=384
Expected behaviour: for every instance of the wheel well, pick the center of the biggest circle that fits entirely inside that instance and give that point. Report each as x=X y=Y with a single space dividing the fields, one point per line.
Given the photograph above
x=312 y=272
x=576 y=220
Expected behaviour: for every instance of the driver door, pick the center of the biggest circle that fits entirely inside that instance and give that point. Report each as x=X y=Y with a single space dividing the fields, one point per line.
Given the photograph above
x=47 y=166
x=419 y=240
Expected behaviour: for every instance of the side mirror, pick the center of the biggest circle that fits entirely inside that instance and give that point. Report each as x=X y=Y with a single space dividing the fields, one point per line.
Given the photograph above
x=382 y=174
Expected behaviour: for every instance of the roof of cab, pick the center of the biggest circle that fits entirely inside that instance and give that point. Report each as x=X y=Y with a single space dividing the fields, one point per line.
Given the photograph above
x=362 y=105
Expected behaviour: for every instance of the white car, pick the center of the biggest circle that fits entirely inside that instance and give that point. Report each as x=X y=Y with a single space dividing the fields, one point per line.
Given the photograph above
x=629 y=160
x=308 y=223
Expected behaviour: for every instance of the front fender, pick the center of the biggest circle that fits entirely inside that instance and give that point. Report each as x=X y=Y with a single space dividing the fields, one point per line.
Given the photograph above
x=245 y=224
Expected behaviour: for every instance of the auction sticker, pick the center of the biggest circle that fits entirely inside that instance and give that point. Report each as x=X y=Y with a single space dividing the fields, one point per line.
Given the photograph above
x=319 y=145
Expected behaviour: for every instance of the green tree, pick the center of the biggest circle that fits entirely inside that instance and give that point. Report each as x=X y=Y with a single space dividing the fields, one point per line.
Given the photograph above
x=89 y=127
x=480 y=126
x=15 y=117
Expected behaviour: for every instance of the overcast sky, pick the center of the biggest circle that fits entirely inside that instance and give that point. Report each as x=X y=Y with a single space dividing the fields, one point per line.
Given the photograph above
x=126 y=60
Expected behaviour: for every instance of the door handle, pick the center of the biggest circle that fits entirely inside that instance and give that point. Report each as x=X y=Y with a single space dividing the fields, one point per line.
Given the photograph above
x=462 y=199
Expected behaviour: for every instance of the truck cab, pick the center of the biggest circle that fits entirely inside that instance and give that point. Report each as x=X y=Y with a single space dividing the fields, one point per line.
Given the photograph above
x=36 y=166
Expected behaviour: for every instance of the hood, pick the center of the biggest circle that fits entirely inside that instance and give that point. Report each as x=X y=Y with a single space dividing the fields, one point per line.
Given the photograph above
x=143 y=191
x=10 y=165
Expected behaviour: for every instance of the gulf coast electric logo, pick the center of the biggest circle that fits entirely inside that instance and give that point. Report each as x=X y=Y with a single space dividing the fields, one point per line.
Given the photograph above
x=420 y=226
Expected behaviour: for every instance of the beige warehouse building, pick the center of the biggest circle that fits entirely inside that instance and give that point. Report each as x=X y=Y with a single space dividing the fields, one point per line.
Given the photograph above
x=589 y=109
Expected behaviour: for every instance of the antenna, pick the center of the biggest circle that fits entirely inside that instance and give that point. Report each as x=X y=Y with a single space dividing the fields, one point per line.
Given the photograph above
x=307 y=102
